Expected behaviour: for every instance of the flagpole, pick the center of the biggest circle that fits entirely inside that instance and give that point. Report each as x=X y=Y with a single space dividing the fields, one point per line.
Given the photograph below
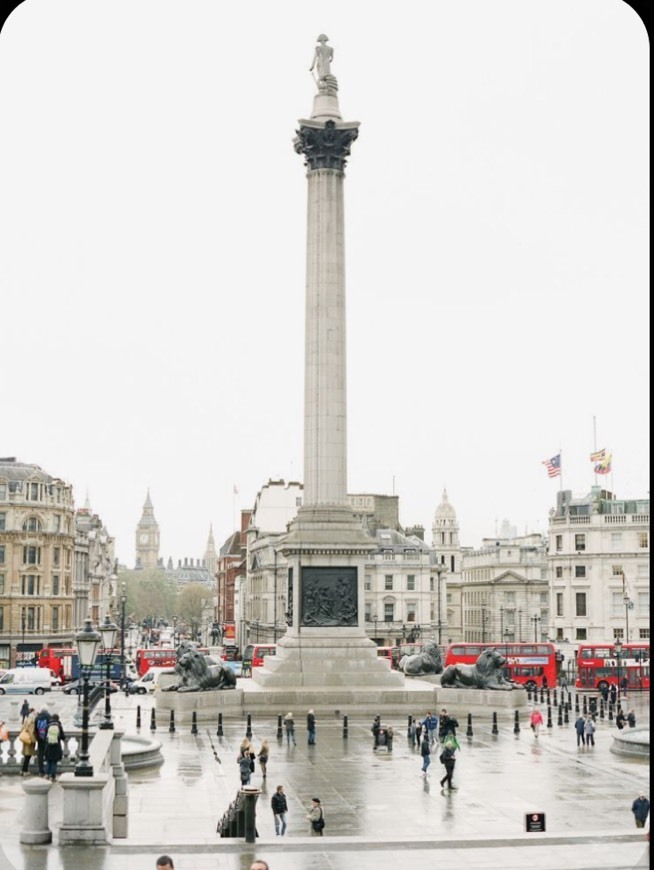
x=561 y=467
x=594 y=446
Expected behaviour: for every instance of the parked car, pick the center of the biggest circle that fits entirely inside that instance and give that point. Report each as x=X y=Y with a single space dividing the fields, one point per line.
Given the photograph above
x=77 y=687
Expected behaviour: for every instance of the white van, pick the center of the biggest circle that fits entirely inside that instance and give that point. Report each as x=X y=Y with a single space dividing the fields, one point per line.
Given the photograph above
x=25 y=681
x=151 y=680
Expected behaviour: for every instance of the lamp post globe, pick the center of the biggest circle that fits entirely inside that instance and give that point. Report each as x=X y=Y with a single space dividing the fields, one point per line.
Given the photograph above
x=108 y=631
x=87 y=641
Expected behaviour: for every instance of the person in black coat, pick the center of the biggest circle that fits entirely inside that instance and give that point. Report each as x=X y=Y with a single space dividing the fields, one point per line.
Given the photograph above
x=448 y=758
x=280 y=808
x=53 y=747
x=311 y=727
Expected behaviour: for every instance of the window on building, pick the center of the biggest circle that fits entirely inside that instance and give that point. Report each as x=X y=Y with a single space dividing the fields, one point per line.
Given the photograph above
x=580 y=570
x=559 y=634
x=617 y=604
x=643 y=540
x=559 y=542
x=411 y=611
x=32 y=524
x=367 y=612
x=559 y=572
x=544 y=599
x=388 y=582
x=30 y=584
x=411 y=582
x=3 y=491
x=580 y=543
x=448 y=597
x=3 y=519
x=68 y=558
x=55 y=619
x=580 y=604
x=389 y=612
x=642 y=570
x=32 y=491
x=431 y=584
x=616 y=570
x=2 y=554
x=67 y=584
x=55 y=584
x=509 y=599
x=57 y=522
x=616 y=540
x=559 y=603
x=643 y=602
x=2 y=584
x=32 y=618
x=367 y=583
x=56 y=557
x=298 y=501
x=580 y=634
x=618 y=634
x=31 y=555
x=643 y=633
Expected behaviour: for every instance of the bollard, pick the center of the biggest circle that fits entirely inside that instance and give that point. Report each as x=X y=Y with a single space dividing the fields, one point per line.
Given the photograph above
x=516 y=725
x=548 y=696
x=469 y=728
x=556 y=703
x=549 y=716
x=171 y=727
x=344 y=727
x=249 y=795
x=138 y=716
x=610 y=712
x=153 y=721
x=601 y=708
x=219 y=732
x=248 y=730
x=528 y=691
x=494 y=728
x=566 y=708
x=542 y=695
x=280 y=733
x=194 y=723
x=560 y=719
x=35 y=812
x=576 y=704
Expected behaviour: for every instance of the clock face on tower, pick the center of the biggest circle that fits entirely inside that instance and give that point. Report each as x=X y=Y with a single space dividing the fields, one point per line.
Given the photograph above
x=143 y=538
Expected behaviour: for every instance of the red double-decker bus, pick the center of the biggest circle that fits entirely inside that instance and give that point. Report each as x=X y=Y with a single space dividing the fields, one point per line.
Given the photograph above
x=528 y=664
x=158 y=657
x=599 y=665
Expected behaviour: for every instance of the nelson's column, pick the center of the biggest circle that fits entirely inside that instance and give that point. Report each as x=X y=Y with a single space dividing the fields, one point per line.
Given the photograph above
x=325 y=647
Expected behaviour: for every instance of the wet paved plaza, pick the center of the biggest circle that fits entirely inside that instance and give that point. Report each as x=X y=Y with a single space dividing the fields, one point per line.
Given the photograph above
x=378 y=808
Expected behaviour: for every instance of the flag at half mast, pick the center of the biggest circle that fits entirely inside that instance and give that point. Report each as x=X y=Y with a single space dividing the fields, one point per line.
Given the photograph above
x=553 y=465
x=598 y=455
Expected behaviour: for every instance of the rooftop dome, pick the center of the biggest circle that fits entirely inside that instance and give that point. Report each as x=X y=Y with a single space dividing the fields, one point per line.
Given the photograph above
x=10 y=469
x=445 y=511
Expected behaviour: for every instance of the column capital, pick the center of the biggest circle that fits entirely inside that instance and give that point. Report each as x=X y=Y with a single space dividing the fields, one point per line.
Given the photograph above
x=326 y=146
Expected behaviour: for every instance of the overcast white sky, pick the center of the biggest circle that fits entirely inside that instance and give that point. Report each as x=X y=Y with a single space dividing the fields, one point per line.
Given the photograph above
x=152 y=220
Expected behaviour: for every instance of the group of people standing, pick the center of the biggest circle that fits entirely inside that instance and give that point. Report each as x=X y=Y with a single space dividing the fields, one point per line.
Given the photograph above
x=429 y=731
x=42 y=736
x=289 y=727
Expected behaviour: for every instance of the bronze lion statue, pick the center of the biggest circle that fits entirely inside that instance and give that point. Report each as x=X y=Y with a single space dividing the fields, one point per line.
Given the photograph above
x=427 y=661
x=486 y=673
x=199 y=673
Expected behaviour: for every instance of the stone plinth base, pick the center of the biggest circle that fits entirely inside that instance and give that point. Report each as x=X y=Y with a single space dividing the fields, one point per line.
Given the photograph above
x=633 y=742
x=206 y=705
x=481 y=703
x=35 y=816
x=87 y=810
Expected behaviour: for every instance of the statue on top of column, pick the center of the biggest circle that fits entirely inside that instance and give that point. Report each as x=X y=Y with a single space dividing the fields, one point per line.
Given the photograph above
x=322 y=58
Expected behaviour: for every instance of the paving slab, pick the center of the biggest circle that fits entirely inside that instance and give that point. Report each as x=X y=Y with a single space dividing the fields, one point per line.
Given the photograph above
x=379 y=809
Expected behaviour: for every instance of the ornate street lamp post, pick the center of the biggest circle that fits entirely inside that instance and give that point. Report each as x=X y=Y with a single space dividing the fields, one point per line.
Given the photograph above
x=123 y=602
x=87 y=640
x=375 y=619
x=535 y=619
x=108 y=631
x=618 y=653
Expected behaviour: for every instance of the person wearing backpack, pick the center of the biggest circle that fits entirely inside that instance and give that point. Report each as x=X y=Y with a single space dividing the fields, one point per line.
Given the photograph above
x=316 y=817
x=42 y=722
x=448 y=759
x=53 y=748
x=425 y=752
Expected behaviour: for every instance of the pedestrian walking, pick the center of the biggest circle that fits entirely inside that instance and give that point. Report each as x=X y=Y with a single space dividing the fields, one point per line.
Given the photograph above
x=580 y=728
x=264 y=752
x=624 y=685
x=27 y=737
x=545 y=683
x=54 y=750
x=613 y=694
x=375 y=728
x=289 y=725
x=640 y=809
x=245 y=768
x=316 y=817
x=447 y=725
x=42 y=722
x=418 y=732
x=245 y=748
x=631 y=719
x=563 y=682
x=24 y=711
x=535 y=721
x=448 y=759
x=411 y=732
x=165 y=862
x=425 y=752
x=311 y=727
x=589 y=731
x=430 y=724
x=279 y=807
x=604 y=692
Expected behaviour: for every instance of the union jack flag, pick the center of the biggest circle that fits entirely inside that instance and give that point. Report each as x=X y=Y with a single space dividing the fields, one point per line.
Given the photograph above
x=553 y=466
x=598 y=455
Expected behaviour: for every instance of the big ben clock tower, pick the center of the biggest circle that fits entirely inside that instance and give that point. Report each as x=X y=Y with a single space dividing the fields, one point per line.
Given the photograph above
x=147 y=538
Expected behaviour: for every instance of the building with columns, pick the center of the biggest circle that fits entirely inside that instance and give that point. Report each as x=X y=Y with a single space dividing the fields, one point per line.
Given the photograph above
x=94 y=578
